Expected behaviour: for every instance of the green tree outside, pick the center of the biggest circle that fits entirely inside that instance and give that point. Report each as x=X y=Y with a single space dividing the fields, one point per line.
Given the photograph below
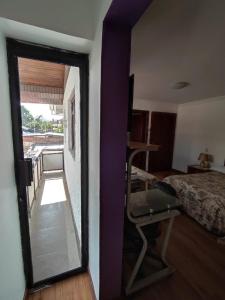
x=38 y=124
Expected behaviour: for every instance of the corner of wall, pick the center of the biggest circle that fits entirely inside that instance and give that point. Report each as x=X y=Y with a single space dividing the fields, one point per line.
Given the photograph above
x=11 y=272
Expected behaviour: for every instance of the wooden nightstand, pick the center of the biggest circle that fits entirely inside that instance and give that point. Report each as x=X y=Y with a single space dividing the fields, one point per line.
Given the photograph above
x=192 y=169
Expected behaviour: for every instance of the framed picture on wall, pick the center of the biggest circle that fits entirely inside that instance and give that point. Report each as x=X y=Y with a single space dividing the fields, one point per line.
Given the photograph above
x=71 y=123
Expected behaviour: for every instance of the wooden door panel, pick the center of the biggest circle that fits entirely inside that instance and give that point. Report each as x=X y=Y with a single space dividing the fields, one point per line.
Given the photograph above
x=162 y=132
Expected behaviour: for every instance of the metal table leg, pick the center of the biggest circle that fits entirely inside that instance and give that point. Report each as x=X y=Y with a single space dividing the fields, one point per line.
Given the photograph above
x=167 y=270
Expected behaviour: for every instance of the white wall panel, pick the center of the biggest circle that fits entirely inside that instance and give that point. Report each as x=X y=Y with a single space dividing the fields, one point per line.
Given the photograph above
x=200 y=126
x=52 y=161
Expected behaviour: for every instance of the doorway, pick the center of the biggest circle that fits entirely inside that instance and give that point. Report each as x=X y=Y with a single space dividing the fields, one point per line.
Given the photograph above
x=49 y=105
x=139 y=133
x=162 y=132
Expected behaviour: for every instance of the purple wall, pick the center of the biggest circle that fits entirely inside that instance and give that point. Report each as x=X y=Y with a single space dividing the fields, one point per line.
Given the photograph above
x=116 y=40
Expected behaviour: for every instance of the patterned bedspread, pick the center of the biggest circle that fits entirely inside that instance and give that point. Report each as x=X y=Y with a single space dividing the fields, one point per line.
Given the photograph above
x=203 y=198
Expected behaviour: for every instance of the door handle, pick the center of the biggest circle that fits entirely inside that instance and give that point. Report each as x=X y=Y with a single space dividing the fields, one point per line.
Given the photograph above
x=28 y=171
x=25 y=172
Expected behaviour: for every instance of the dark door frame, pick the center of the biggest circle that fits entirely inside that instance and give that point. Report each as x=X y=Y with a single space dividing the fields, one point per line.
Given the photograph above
x=140 y=160
x=15 y=49
x=154 y=158
x=145 y=114
x=130 y=104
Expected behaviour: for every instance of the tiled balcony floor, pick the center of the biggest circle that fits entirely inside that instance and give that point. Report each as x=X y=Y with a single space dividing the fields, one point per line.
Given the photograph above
x=53 y=240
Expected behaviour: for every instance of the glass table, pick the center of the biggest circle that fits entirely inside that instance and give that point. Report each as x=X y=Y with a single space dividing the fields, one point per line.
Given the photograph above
x=151 y=202
x=145 y=208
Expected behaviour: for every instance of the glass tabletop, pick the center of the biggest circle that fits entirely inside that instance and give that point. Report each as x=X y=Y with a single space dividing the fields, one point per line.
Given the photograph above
x=152 y=201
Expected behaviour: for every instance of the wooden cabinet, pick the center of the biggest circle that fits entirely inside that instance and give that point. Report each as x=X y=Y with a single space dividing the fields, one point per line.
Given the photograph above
x=192 y=169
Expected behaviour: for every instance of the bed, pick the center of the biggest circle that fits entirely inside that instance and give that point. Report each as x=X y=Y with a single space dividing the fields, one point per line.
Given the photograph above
x=203 y=198
x=143 y=175
x=140 y=179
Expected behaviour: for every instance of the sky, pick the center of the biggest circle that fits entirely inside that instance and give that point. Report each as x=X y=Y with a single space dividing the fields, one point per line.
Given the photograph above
x=41 y=109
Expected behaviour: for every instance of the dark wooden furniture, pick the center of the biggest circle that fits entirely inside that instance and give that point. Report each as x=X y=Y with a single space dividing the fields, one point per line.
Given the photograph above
x=163 y=174
x=162 y=133
x=192 y=169
x=137 y=145
x=139 y=133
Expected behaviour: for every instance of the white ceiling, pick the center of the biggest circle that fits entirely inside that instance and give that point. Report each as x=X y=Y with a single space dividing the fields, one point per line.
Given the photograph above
x=34 y=34
x=180 y=40
x=73 y=17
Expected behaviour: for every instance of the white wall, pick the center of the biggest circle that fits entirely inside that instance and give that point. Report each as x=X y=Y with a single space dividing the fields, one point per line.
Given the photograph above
x=38 y=14
x=73 y=17
x=94 y=148
x=200 y=125
x=44 y=36
x=52 y=162
x=94 y=161
x=72 y=163
x=12 y=282
x=145 y=104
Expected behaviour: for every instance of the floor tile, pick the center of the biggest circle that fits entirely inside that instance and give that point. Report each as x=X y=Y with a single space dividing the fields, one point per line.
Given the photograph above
x=53 y=240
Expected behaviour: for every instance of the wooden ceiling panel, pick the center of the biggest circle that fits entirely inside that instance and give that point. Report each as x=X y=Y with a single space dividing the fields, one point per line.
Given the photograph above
x=41 y=73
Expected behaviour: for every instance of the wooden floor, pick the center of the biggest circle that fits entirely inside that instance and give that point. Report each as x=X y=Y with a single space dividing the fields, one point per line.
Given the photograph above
x=200 y=266
x=75 y=288
x=200 y=271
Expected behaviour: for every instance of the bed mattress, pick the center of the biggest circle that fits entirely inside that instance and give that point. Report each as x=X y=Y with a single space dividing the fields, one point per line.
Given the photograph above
x=203 y=198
